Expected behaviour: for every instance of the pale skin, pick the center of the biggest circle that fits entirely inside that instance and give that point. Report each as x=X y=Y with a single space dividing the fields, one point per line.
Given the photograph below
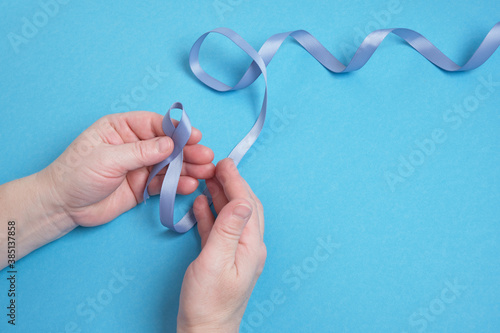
x=102 y=174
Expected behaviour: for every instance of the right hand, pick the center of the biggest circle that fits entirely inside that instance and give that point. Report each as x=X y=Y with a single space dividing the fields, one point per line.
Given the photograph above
x=218 y=284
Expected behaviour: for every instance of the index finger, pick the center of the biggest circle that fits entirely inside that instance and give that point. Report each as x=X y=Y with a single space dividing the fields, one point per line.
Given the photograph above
x=233 y=184
x=235 y=187
x=144 y=125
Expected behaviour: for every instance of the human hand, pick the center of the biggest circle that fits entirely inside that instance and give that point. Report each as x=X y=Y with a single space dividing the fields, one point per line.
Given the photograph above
x=217 y=285
x=102 y=174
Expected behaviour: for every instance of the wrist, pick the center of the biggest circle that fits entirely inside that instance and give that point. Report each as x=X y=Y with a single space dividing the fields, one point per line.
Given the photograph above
x=38 y=217
x=182 y=328
x=46 y=208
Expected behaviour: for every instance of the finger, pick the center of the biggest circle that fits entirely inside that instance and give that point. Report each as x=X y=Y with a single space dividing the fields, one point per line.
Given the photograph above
x=262 y=223
x=224 y=238
x=187 y=185
x=233 y=184
x=154 y=187
x=217 y=193
x=119 y=159
x=111 y=207
x=142 y=125
x=133 y=126
x=236 y=187
x=204 y=217
x=195 y=136
x=198 y=154
x=161 y=172
x=260 y=210
x=198 y=171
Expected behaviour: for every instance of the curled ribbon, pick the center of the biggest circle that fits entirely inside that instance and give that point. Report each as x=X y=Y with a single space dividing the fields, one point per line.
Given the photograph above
x=261 y=59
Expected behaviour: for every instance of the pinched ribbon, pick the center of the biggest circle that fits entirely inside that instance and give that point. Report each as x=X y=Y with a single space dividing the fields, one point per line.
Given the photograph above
x=261 y=59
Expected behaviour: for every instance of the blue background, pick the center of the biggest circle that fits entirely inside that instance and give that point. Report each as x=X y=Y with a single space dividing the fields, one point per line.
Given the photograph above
x=320 y=173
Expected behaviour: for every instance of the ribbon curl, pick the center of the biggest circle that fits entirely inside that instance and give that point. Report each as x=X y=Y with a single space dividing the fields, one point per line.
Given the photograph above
x=261 y=59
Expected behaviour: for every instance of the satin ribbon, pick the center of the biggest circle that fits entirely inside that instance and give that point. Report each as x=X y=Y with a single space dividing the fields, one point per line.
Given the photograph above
x=261 y=59
x=180 y=135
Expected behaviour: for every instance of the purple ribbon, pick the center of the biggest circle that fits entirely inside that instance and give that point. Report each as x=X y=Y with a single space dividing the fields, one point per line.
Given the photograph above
x=260 y=60
x=180 y=136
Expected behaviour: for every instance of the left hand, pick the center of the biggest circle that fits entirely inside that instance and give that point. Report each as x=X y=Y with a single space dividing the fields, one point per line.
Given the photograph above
x=102 y=174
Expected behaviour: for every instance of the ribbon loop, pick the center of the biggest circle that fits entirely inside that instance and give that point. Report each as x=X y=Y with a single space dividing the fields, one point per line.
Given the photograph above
x=180 y=135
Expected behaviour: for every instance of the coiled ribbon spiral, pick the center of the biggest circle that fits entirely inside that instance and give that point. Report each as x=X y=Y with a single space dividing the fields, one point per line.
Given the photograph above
x=261 y=59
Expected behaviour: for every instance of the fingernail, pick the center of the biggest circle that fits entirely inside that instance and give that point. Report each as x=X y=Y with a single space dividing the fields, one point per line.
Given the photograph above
x=163 y=144
x=242 y=212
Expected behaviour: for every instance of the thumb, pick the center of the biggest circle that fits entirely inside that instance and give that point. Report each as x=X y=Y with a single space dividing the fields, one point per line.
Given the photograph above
x=226 y=232
x=135 y=155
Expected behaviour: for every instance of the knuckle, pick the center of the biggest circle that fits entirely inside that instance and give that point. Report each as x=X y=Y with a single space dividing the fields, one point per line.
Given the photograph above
x=263 y=253
x=241 y=201
x=227 y=230
x=106 y=119
x=107 y=122
x=261 y=260
x=259 y=204
x=259 y=271
x=141 y=151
